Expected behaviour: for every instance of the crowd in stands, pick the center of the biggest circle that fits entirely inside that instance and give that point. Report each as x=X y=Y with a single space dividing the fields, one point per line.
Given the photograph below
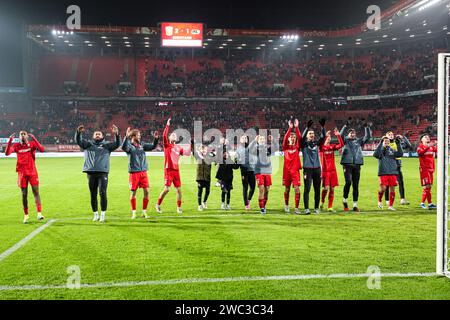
x=379 y=71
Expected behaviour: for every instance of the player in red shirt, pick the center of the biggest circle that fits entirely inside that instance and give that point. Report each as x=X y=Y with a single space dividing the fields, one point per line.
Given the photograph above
x=292 y=165
x=26 y=169
x=426 y=152
x=172 y=153
x=329 y=173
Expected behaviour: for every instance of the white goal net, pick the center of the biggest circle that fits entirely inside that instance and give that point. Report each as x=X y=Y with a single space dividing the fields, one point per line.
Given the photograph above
x=442 y=247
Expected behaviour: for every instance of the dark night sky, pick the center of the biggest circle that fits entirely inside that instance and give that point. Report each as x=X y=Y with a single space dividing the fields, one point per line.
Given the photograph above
x=274 y=14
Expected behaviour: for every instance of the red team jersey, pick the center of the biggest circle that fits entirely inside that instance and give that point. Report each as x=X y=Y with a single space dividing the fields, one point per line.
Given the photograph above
x=292 y=164
x=327 y=155
x=26 y=155
x=329 y=174
x=426 y=161
x=172 y=152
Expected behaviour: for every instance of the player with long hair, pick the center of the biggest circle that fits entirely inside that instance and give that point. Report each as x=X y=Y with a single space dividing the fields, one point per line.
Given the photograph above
x=138 y=166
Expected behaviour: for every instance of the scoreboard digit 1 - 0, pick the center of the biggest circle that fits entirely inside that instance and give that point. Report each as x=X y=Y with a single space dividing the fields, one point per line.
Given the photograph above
x=180 y=34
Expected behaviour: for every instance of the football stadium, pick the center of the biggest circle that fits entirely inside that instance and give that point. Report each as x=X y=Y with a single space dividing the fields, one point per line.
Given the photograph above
x=187 y=160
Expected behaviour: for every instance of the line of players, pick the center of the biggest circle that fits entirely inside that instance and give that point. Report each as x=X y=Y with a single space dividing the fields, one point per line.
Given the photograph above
x=252 y=157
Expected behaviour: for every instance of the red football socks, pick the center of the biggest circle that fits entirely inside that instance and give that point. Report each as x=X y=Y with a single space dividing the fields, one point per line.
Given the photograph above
x=297 y=199
x=330 y=199
x=144 y=204
x=286 y=198
x=133 y=204
x=324 y=195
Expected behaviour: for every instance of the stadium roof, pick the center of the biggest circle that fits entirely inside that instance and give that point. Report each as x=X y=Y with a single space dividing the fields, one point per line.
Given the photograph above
x=406 y=21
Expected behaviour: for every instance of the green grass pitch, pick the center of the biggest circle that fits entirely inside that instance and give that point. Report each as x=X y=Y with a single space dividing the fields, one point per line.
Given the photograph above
x=213 y=243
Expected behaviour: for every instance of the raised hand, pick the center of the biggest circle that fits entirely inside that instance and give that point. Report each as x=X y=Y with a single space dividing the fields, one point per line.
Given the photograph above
x=347 y=123
x=322 y=122
x=80 y=128
x=296 y=123
x=328 y=133
x=290 y=124
x=115 y=129
x=128 y=134
x=156 y=134
x=168 y=121
x=310 y=123
x=336 y=132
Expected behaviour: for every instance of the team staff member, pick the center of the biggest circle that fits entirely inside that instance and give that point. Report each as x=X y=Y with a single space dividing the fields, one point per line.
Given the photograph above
x=311 y=164
x=138 y=166
x=203 y=179
x=247 y=163
x=96 y=165
x=26 y=169
x=352 y=159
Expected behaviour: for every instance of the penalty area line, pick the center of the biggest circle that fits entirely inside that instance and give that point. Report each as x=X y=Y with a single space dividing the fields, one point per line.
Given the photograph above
x=215 y=280
x=25 y=240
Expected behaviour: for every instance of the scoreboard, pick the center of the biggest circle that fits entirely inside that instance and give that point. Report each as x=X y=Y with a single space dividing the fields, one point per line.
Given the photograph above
x=175 y=34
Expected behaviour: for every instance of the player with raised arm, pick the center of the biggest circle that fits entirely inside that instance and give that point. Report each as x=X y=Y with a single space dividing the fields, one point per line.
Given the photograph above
x=138 y=166
x=426 y=152
x=96 y=165
x=329 y=173
x=26 y=169
x=247 y=163
x=172 y=153
x=262 y=150
x=225 y=175
x=352 y=159
x=388 y=169
x=311 y=164
x=292 y=165
x=203 y=179
x=405 y=144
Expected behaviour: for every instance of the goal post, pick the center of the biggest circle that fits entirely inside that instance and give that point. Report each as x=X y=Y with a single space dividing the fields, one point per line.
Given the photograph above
x=442 y=234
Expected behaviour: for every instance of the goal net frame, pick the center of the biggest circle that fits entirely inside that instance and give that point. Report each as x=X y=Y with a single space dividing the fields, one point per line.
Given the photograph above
x=442 y=216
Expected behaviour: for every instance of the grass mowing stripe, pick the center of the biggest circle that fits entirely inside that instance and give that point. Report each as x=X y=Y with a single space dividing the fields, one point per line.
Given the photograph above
x=24 y=241
x=217 y=280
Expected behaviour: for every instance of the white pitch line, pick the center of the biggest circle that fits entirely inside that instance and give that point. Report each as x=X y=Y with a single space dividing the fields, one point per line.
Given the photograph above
x=24 y=241
x=215 y=280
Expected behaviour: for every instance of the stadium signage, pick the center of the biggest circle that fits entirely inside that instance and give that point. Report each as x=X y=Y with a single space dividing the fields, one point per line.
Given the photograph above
x=175 y=34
